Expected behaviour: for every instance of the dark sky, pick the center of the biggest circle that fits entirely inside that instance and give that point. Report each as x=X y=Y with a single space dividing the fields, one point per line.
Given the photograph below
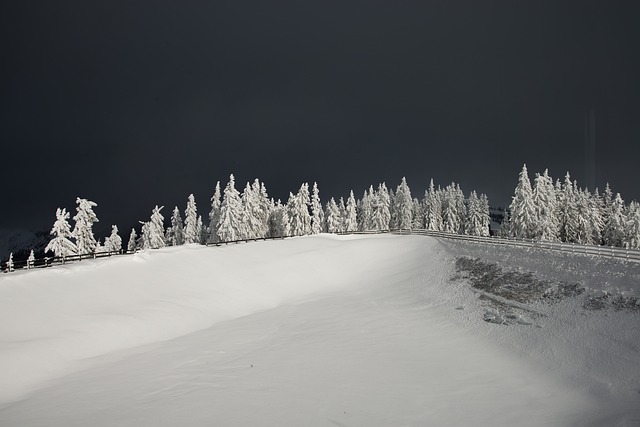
x=133 y=103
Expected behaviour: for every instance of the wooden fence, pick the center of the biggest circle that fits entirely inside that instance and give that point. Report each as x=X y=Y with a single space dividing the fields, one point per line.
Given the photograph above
x=595 y=250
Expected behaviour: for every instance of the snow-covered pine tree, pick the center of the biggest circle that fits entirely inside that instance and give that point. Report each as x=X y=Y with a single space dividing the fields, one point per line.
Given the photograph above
x=524 y=218
x=614 y=229
x=432 y=209
x=230 y=222
x=10 y=263
x=632 y=234
x=317 y=215
x=584 y=229
x=144 y=242
x=298 y=212
x=175 y=235
x=485 y=217
x=402 y=206
x=461 y=208
x=596 y=211
x=99 y=248
x=251 y=212
x=382 y=209
x=545 y=202
x=264 y=207
x=113 y=243
x=191 y=232
x=214 y=215
x=156 y=229
x=351 y=219
x=202 y=231
x=31 y=260
x=567 y=212
x=61 y=244
x=418 y=215
x=83 y=230
x=278 y=221
x=450 y=217
x=333 y=216
x=133 y=239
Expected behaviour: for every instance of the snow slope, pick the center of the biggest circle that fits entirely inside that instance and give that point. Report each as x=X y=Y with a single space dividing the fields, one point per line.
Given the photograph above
x=322 y=330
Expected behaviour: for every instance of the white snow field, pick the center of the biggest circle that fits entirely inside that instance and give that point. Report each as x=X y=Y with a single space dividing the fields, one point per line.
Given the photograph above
x=313 y=331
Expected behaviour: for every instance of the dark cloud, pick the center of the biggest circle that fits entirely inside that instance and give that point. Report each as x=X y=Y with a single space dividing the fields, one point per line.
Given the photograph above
x=137 y=103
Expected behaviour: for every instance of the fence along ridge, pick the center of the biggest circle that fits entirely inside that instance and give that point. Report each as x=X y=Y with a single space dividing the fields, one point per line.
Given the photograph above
x=597 y=250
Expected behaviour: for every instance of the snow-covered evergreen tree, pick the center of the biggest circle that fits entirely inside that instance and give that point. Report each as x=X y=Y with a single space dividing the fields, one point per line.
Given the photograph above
x=567 y=212
x=545 y=203
x=524 y=218
x=382 y=209
x=317 y=215
x=214 y=215
x=31 y=260
x=202 y=231
x=10 y=263
x=144 y=242
x=350 y=219
x=402 y=206
x=83 y=230
x=61 y=244
x=432 y=209
x=251 y=212
x=278 y=220
x=133 y=239
x=113 y=243
x=450 y=217
x=264 y=207
x=230 y=222
x=614 y=229
x=418 y=215
x=476 y=222
x=298 y=212
x=334 y=219
x=632 y=235
x=99 y=248
x=584 y=228
x=156 y=229
x=191 y=232
x=175 y=233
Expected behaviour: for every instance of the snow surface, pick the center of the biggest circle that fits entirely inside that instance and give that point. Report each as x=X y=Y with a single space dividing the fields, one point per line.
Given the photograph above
x=322 y=330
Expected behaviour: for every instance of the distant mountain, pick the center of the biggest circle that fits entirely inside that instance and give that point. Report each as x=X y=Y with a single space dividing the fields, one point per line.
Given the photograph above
x=21 y=242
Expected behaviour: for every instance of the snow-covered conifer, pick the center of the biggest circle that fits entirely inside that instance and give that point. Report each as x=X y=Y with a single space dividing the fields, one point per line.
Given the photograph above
x=545 y=203
x=298 y=212
x=334 y=219
x=251 y=212
x=402 y=206
x=113 y=243
x=317 y=215
x=145 y=236
x=614 y=229
x=632 y=234
x=214 y=215
x=156 y=229
x=133 y=239
x=350 y=219
x=83 y=232
x=230 y=222
x=10 y=263
x=567 y=212
x=450 y=217
x=382 y=209
x=523 y=212
x=202 y=231
x=432 y=209
x=191 y=232
x=584 y=228
x=418 y=215
x=278 y=220
x=175 y=235
x=61 y=244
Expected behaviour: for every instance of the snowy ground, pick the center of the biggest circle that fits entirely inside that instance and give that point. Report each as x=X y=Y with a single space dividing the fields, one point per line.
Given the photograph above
x=323 y=330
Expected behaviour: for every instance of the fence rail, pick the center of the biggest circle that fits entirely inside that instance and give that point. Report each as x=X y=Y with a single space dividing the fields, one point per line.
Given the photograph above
x=595 y=250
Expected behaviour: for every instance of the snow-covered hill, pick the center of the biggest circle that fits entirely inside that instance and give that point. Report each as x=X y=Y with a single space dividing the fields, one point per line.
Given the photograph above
x=322 y=330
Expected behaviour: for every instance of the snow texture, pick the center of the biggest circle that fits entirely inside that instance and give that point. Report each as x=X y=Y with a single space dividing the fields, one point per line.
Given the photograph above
x=319 y=330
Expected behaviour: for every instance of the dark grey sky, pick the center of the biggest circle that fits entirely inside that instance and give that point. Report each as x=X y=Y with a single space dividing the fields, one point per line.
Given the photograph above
x=133 y=104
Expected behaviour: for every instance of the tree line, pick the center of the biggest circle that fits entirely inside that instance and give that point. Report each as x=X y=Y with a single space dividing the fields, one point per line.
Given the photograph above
x=253 y=214
x=564 y=212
